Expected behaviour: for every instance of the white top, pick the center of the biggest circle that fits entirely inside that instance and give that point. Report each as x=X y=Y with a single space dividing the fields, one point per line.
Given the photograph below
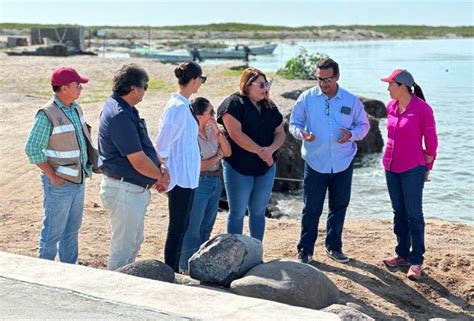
x=177 y=143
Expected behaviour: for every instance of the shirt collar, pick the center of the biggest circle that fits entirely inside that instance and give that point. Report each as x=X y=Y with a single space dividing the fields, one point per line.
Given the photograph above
x=181 y=97
x=338 y=95
x=61 y=105
x=123 y=103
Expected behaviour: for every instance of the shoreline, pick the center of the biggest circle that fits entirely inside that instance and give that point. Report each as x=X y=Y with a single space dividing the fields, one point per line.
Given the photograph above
x=446 y=290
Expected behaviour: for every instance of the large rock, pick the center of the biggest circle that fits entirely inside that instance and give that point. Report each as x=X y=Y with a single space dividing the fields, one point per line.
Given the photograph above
x=225 y=258
x=289 y=165
x=149 y=269
x=373 y=142
x=346 y=313
x=288 y=282
x=374 y=107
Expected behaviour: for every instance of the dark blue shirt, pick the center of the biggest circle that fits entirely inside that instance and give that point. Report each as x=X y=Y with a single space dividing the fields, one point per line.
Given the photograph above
x=122 y=132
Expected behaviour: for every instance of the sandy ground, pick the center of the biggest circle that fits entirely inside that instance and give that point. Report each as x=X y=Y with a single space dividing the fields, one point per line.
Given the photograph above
x=446 y=289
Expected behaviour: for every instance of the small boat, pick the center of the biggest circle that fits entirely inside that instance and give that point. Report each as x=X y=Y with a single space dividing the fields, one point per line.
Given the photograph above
x=237 y=52
x=161 y=56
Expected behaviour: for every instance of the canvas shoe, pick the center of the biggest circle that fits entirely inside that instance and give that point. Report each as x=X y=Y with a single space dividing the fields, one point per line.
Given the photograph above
x=414 y=273
x=395 y=261
x=304 y=257
x=337 y=256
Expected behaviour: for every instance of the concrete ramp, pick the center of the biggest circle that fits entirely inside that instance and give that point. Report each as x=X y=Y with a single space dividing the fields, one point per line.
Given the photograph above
x=35 y=288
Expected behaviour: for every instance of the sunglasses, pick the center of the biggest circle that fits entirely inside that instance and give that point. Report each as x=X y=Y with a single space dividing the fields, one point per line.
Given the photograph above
x=325 y=80
x=144 y=87
x=263 y=85
x=203 y=79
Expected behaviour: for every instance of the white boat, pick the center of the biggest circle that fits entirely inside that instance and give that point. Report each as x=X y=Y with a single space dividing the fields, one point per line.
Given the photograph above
x=237 y=52
x=161 y=56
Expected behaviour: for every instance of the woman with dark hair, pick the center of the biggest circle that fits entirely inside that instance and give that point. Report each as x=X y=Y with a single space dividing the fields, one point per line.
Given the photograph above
x=177 y=144
x=410 y=123
x=214 y=146
x=255 y=131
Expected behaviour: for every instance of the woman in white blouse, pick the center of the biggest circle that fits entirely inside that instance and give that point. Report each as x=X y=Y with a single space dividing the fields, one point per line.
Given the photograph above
x=177 y=144
x=214 y=146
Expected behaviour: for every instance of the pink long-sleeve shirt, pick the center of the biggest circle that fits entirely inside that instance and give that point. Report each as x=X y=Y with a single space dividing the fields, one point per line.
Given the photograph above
x=406 y=133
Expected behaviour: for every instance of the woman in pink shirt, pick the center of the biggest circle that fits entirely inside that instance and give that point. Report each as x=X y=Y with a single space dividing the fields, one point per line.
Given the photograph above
x=408 y=160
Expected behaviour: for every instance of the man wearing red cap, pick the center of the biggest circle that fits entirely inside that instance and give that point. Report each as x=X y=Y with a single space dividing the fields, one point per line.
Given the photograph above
x=60 y=145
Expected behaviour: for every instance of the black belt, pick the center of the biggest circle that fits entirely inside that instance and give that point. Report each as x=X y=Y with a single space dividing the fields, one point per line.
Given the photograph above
x=124 y=179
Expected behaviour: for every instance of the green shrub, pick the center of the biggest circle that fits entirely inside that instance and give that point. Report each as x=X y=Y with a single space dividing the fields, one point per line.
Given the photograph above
x=303 y=66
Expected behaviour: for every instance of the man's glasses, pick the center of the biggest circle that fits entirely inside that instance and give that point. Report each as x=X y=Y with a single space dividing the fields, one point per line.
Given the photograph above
x=324 y=80
x=203 y=79
x=78 y=85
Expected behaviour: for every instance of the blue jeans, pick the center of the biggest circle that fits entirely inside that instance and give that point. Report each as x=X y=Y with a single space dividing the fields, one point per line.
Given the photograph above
x=316 y=184
x=202 y=217
x=252 y=192
x=406 y=193
x=62 y=208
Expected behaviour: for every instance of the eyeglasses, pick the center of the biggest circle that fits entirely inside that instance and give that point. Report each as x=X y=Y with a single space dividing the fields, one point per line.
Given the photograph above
x=325 y=80
x=263 y=85
x=327 y=107
x=203 y=79
x=78 y=85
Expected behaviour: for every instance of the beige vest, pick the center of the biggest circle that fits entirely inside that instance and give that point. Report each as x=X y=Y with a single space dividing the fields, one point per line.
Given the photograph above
x=63 y=152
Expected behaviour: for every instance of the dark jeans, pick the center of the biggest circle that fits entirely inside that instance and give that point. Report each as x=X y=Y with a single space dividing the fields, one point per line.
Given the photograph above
x=179 y=205
x=406 y=193
x=316 y=184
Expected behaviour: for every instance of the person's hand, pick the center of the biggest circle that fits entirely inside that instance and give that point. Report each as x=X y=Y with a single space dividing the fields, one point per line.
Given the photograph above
x=428 y=158
x=427 y=176
x=163 y=182
x=266 y=154
x=346 y=135
x=307 y=136
x=212 y=122
x=56 y=180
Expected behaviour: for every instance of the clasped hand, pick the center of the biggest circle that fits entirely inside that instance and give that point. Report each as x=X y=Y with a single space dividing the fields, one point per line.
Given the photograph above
x=162 y=183
x=266 y=154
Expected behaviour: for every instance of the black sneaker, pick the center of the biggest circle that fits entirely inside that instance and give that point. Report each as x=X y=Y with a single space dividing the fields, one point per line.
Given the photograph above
x=304 y=257
x=337 y=256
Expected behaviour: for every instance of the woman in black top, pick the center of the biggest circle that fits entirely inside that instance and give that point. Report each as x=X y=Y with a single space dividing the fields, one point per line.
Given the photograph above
x=255 y=130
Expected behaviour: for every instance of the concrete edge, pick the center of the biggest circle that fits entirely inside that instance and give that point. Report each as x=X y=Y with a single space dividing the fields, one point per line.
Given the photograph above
x=168 y=298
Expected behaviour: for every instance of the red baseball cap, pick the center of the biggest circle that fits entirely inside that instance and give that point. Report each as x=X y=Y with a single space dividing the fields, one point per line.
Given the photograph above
x=66 y=75
x=401 y=76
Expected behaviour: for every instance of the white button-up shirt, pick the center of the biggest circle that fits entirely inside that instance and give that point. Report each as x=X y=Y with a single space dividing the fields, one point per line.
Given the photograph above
x=177 y=143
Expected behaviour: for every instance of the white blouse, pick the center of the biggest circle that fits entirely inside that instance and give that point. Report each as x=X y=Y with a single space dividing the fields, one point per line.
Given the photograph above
x=177 y=143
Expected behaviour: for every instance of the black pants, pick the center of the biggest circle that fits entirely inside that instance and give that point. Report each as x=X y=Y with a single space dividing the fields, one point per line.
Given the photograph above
x=179 y=205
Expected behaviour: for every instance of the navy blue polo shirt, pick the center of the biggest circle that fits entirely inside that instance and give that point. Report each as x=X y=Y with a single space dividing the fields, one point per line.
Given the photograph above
x=122 y=132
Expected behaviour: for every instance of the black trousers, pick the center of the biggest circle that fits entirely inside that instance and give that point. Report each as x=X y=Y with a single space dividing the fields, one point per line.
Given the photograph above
x=179 y=206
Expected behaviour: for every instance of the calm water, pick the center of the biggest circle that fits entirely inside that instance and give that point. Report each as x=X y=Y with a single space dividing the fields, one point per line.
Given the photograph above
x=444 y=69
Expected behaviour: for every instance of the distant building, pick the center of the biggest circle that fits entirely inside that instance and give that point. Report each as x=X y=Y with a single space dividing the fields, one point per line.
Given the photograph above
x=16 y=42
x=71 y=37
